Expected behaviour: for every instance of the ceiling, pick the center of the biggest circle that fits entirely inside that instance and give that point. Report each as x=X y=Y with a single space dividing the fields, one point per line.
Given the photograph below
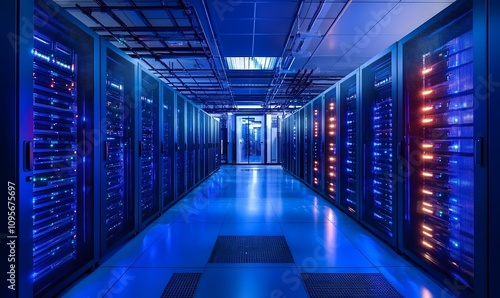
x=316 y=42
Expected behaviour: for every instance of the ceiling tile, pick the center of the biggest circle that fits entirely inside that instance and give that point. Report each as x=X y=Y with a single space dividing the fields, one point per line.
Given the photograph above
x=276 y=9
x=222 y=11
x=236 y=27
x=269 y=45
x=161 y=22
x=278 y=26
x=236 y=45
x=405 y=17
x=359 y=18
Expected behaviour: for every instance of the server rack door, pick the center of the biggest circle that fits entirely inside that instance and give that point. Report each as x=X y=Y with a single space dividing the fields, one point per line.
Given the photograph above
x=148 y=152
x=494 y=143
x=167 y=145
x=380 y=144
x=294 y=144
x=189 y=145
x=318 y=164
x=57 y=81
x=308 y=138
x=211 y=164
x=206 y=161
x=300 y=144
x=349 y=149
x=198 y=139
x=284 y=144
x=118 y=207
x=209 y=145
x=203 y=144
x=445 y=119
x=290 y=143
x=196 y=142
x=181 y=146
x=330 y=145
x=217 y=145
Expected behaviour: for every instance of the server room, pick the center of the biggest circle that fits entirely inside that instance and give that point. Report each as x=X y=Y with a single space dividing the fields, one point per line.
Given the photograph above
x=250 y=148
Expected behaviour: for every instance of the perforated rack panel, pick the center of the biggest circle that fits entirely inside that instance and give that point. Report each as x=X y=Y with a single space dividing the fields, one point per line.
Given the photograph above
x=55 y=159
x=331 y=144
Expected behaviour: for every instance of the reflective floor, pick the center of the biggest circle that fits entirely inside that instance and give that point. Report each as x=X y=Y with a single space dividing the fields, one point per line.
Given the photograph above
x=249 y=200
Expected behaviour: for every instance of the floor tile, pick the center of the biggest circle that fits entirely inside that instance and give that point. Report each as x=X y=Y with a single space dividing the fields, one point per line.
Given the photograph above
x=145 y=282
x=96 y=284
x=181 y=245
x=251 y=228
x=322 y=245
x=412 y=282
x=133 y=249
x=372 y=248
x=248 y=282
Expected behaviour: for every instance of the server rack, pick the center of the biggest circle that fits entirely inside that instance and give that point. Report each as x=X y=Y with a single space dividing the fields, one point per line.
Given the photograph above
x=331 y=141
x=210 y=154
x=196 y=144
x=203 y=144
x=318 y=162
x=306 y=114
x=493 y=144
x=206 y=161
x=380 y=144
x=55 y=181
x=216 y=144
x=189 y=145
x=118 y=206
x=349 y=179
x=295 y=143
x=285 y=157
x=167 y=146
x=445 y=199
x=180 y=146
x=148 y=145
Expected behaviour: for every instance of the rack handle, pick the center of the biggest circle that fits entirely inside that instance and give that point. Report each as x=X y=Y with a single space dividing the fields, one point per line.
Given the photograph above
x=140 y=148
x=28 y=156
x=478 y=151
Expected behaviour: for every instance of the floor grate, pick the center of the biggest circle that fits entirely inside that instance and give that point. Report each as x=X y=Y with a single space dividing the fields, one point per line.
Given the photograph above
x=181 y=285
x=323 y=285
x=251 y=249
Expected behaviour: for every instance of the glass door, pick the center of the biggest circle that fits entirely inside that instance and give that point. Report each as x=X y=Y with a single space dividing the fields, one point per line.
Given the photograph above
x=250 y=136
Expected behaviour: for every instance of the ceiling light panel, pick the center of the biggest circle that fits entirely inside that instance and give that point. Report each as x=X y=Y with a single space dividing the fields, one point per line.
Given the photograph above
x=251 y=63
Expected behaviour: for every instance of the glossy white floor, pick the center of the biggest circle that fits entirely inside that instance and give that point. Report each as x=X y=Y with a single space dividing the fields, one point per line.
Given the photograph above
x=249 y=200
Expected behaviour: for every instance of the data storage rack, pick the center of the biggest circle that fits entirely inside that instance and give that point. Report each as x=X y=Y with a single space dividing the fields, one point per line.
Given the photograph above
x=380 y=139
x=119 y=207
x=493 y=145
x=318 y=158
x=196 y=137
x=217 y=140
x=148 y=148
x=295 y=144
x=306 y=113
x=442 y=66
x=54 y=86
x=180 y=144
x=349 y=164
x=286 y=156
x=211 y=138
x=331 y=143
x=203 y=144
x=206 y=161
x=167 y=146
x=189 y=145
